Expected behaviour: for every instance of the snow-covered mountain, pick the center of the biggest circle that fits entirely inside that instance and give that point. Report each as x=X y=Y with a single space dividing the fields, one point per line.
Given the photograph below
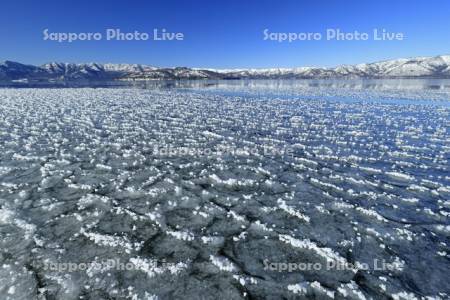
x=13 y=70
x=438 y=67
x=419 y=67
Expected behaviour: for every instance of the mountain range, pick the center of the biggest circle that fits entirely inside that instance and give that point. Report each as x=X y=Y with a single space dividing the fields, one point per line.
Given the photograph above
x=418 y=67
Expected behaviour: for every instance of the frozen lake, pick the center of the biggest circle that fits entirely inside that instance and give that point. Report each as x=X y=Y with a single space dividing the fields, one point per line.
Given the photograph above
x=226 y=190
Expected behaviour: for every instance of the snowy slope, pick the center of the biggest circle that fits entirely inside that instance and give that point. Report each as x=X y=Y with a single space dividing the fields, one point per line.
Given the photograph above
x=438 y=66
x=419 y=67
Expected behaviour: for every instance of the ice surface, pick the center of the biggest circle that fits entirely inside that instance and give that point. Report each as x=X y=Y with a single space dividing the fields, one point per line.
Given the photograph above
x=81 y=182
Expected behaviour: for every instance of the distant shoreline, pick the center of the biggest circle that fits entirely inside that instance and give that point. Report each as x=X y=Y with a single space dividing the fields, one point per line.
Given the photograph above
x=437 y=67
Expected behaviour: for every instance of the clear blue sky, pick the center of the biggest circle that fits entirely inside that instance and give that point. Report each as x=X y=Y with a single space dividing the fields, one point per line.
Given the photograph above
x=222 y=34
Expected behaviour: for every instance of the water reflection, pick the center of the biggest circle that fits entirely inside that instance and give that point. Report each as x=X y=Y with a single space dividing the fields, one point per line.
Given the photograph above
x=354 y=84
